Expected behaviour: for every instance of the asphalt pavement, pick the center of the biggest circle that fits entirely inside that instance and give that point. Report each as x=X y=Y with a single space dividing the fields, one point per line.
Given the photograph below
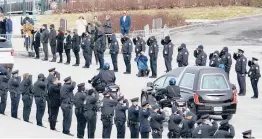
x=243 y=34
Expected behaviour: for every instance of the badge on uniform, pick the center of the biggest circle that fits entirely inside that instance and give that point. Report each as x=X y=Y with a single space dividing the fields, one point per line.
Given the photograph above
x=154 y=45
x=149 y=118
x=151 y=51
x=185 y=53
x=101 y=104
x=202 y=56
x=129 y=43
x=228 y=57
x=199 y=132
x=88 y=39
x=256 y=67
x=169 y=45
x=165 y=52
x=243 y=59
x=115 y=43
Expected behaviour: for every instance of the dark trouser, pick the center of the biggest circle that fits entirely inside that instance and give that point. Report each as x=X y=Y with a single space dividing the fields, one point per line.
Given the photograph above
x=3 y=102
x=127 y=59
x=168 y=62
x=61 y=57
x=107 y=128
x=36 y=51
x=77 y=57
x=53 y=117
x=67 y=117
x=91 y=118
x=90 y=54
x=40 y=109
x=68 y=56
x=114 y=61
x=96 y=57
x=81 y=122
x=53 y=51
x=87 y=59
x=45 y=49
x=121 y=128
x=100 y=59
x=124 y=31
x=134 y=130
x=15 y=99
x=28 y=100
x=143 y=73
x=242 y=83
x=153 y=65
x=156 y=134
x=144 y=135
x=254 y=86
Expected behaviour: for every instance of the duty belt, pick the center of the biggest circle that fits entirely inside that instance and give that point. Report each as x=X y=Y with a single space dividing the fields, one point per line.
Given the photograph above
x=132 y=122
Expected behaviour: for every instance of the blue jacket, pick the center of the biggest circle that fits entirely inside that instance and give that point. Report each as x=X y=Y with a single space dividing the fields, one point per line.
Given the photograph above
x=125 y=25
x=9 y=25
x=142 y=62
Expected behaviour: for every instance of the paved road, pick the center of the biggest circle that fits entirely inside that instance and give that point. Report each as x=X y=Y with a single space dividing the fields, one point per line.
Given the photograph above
x=248 y=113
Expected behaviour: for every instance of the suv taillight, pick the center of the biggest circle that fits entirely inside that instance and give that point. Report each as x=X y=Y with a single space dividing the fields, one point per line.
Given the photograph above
x=196 y=98
x=12 y=52
x=234 y=96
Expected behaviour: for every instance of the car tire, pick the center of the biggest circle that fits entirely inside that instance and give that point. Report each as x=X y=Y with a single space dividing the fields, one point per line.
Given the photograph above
x=227 y=117
x=143 y=98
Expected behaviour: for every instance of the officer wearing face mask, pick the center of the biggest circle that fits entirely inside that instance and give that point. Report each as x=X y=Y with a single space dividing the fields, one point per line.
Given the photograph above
x=127 y=48
x=201 y=56
x=226 y=60
x=214 y=59
x=182 y=56
x=4 y=78
x=254 y=75
x=114 y=50
x=153 y=54
x=240 y=67
x=168 y=52
x=140 y=44
x=133 y=118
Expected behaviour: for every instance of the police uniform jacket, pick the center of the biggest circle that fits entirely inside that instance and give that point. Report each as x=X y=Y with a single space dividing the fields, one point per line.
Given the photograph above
x=68 y=42
x=188 y=127
x=44 y=36
x=39 y=89
x=13 y=85
x=66 y=92
x=254 y=72
x=182 y=57
x=201 y=59
x=100 y=42
x=127 y=47
x=86 y=44
x=226 y=60
x=108 y=105
x=172 y=91
x=214 y=61
x=120 y=111
x=49 y=80
x=144 y=117
x=52 y=37
x=4 y=83
x=205 y=131
x=175 y=124
x=225 y=133
x=75 y=43
x=156 y=121
x=79 y=99
x=241 y=64
x=168 y=50
x=54 y=94
x=133 y=113
x=153 y=50
x=107 y=76
x=91 y=102
x=114 y=47
x=26 y=86
x=140 y=46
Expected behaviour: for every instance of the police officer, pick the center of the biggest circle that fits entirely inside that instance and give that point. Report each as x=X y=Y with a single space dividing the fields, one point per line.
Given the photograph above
x=140 y=44
x=40 y=95
x=254 y=74
x=26 y=88
x=91 y=30
x=182 y=56
x=167 y=52
x=225 y=130
x=114 y=50
x=156 y=121
x=247 y=134
x=188 y=123
x=214 y=59
x=175 y=123
x=67 y=97
x=76 y=46
x=153 y=53
x=13 y=86
x=144 y=117
x=120 y=116
x=54 y=98
x=226 y=60
x=4 y=78
x=79 y=99
x=133 y=118
x=86 y=46
x=100 y=46
x=240 y=67
x=206 y=130
x=201 y=56
x=107 y=113
x=172 y=90
x=106 y=76
x=127 y=48
x=90 y=108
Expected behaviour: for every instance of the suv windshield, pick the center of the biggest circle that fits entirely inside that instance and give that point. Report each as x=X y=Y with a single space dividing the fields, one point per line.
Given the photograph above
x=4 y=43
x=214 y=82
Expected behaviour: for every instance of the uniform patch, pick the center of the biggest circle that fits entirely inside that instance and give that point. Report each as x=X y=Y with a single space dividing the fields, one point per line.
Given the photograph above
x=244 y=60
x=154 y=45
x=165 y=52
x=88 y=39
x=138 y=43
x=169 y=45
x=149 y=118
x=256 y=67
x=228 y=57
x=202 y=56
x=199 y=132
x=101 y=104
x=129 y=43
x=180 y=53
x=151 y=51
x=115 y=43
x=185 y=53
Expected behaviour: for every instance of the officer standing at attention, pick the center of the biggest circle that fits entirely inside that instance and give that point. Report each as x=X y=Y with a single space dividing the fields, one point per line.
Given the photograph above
x=214 y=59
x=13 y=86
x=79 y=99
x=114 y=50
x=127 y=48
x=40 y=95
x=90 y=108
x=67 y=97
x=168 y=52
x=156 y=121
x=54 y=98
x=133 y=118
x=247 y=134
x=206 y=130
x=182 y=56
x=120 y=116
x=86 y=46
x=175 y=123
x=200 y=55
x=240 y=67
x=107 y=113
x=225 y=130
x=26 y=87
x=153 y=54
x=254 y=74
x=100 y=46
x=4 y=78
x=140 y=44
x=226 y=60
x=144 y=117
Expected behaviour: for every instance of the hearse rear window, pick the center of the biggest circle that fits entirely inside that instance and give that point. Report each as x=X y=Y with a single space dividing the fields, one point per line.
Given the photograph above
x=214 y=82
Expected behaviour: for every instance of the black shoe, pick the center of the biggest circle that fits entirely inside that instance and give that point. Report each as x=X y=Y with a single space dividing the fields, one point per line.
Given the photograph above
x=75 y=65
x=254 y=97
x=115 y=70
x=85 y=67
x=42 y=126
x=45 y=59
x=53 y=60
x=241 y=94
x=60 y=62
x=36 y=58
x=127 y=72
x=152 y=77
x=55 y=130
x=69 y=134
x=67 y=63
x=28 y=122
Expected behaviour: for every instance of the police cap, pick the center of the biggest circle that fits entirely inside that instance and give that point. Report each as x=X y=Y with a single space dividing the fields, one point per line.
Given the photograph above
x=248 y=132
x=144 y=103
x=200 y=47
x=41 y=75
x=51 y=70
x=254 y=59
x=134 y=99
x=15 y=72
x=81 y=84
x=200 y=121
x=67 y=79
x=206 y=116
x=240 y=50
x=224 y=122
x=120 y=98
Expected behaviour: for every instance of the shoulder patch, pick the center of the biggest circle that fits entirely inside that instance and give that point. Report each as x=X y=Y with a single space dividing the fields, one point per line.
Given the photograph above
x=257 y=68
x=228 y=57
x=129 y=43
x=115 y=43
x=88 y=39
x=180 y=53
x=244 y=60
x=202 y=56
x=154 y=45
x=170 y=45
x=185 y=53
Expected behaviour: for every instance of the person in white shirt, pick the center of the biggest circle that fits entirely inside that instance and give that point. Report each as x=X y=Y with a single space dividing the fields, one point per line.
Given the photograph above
x=81 y=26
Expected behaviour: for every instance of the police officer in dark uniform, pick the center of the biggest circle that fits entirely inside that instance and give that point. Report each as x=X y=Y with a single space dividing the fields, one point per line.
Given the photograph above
x=79 y=99
x=182 y=56
x=240 y=67
x=54 y=98
x=214 y=59
x=133 y=118
x=67 y=97
x=91 y=30
x=226 y=60
x=90 y=108
x=168 y=52
x=105 y=75
x=4 y=78
x=120 y=116
x=225 y=130
x=175 y=123
x=86 y=47
x=26 y=89
x=114 y=50
x=107 y=113
x=140 y=44
x=40 y=95
x=100 y=46
x=200 y=55
x=188 y=123
x=13 y=86
x=144 y=117
x=254 y=74
x=206 y=130
x=127 y=48
x=247 y=134
x=156 y=121
x=153 y=54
